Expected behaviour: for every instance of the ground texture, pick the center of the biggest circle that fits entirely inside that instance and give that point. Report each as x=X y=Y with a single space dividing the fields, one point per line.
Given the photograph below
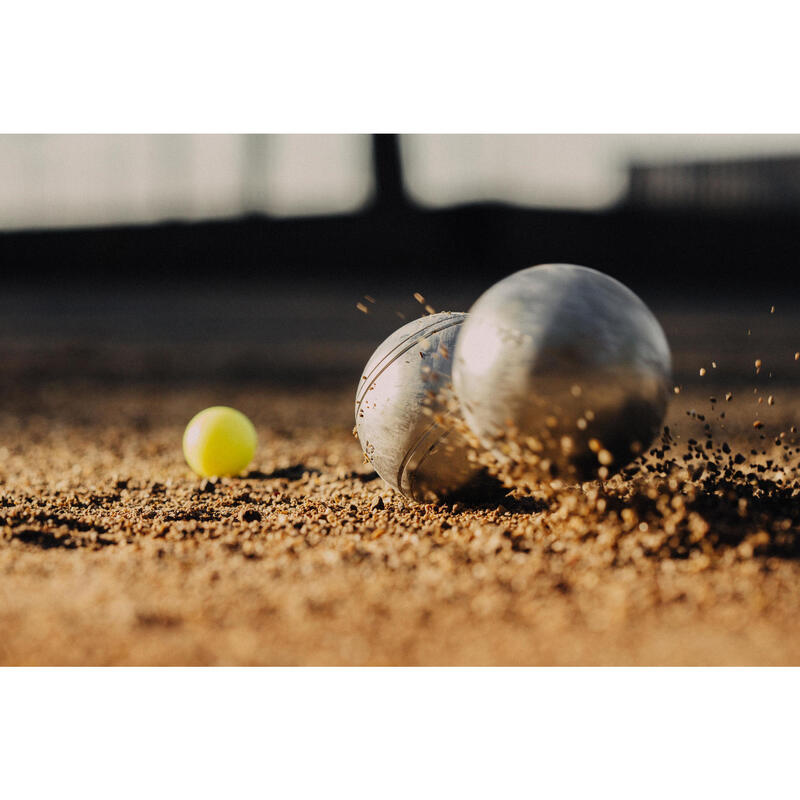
x=112 y=552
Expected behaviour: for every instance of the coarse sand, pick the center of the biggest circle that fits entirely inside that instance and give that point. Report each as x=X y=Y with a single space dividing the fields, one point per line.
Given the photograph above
x=112 y=552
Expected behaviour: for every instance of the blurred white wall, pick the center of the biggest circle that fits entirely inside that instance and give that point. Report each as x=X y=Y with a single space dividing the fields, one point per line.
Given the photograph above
x=311 y=174
x=65 y=180
x=70 y=180
x=557 y=170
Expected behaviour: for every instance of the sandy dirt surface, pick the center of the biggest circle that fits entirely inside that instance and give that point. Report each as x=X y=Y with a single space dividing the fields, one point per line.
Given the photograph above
x=112 y=552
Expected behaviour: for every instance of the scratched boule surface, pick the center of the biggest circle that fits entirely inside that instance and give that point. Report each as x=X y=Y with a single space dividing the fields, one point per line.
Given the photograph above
x=111 y=552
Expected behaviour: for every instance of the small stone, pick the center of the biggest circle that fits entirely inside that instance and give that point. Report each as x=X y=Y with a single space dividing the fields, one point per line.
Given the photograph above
x=249 y=515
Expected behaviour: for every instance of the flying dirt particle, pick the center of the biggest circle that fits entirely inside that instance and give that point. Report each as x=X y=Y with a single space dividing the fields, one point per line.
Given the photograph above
x=702 y=371
x=362 y=308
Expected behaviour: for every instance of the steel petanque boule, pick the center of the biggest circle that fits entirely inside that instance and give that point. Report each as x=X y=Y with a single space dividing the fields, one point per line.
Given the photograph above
x=401 y=411
x=564 y=369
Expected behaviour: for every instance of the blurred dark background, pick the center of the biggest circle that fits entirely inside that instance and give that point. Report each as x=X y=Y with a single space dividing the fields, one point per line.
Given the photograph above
x=220 y=257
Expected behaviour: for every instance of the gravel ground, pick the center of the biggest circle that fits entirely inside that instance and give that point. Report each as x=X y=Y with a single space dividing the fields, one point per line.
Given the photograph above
x=111 y=552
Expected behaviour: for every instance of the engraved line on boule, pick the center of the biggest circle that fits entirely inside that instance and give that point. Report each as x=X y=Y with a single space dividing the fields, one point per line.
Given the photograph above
x=414 y=338
x=383 y=364
x=413 y=449
x=412 y=483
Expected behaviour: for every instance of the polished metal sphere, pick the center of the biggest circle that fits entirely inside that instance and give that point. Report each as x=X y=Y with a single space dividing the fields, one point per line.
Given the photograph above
x=564 y=369
x=401 y=411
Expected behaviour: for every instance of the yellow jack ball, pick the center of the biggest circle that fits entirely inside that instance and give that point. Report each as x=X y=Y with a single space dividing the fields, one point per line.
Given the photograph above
x=219 y=441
